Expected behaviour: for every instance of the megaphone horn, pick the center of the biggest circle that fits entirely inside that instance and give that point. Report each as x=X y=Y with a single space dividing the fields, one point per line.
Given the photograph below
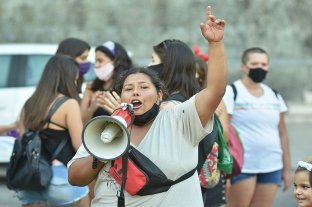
x=107 y=137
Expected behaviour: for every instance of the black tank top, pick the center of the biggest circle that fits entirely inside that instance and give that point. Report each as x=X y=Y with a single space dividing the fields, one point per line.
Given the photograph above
x=51 y=138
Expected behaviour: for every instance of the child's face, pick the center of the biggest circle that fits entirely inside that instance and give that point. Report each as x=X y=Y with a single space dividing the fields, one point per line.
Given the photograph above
x=303 y=191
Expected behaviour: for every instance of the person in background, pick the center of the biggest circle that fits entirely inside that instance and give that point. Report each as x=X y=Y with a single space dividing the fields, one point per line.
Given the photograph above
x=165 y=148
x=58 y=80
x=111 y=59
x=79 y=50
x=303 y=182
x=258 y=113
x=174 y=62
x=201 y=65
x=9 y=128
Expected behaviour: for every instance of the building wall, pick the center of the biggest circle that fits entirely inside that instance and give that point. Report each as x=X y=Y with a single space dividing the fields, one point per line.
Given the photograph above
x=282 y=27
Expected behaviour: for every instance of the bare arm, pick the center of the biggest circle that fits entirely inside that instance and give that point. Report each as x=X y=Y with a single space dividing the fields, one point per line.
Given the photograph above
x=209 y=98
x=87 y=105
x=73 y=122
x=224 y=119
x=286 y=153
x=81 y=173
x=20 y=123
x=8 y=127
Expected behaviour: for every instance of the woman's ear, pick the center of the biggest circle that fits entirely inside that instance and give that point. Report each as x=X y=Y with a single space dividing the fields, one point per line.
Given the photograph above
x=160 y=96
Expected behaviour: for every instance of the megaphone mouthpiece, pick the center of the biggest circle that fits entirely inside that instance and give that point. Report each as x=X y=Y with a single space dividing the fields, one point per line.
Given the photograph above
x=110 y=132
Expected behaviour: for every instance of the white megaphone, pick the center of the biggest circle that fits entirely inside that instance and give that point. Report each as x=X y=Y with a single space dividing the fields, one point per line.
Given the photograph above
x=107 y=137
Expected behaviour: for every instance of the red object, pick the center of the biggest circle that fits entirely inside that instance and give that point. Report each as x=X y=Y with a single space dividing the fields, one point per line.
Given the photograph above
x=123 y=112
x=237 y=151
x=199 y=53
x=138 y=179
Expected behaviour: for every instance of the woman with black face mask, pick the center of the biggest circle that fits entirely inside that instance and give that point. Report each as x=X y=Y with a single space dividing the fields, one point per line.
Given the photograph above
x=257 y=112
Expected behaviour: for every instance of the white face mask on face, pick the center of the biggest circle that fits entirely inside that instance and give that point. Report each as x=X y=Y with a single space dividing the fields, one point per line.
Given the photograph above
x=104 y=72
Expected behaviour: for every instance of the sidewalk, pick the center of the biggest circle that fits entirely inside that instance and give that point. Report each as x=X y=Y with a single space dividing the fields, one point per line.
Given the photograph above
x=299 y=113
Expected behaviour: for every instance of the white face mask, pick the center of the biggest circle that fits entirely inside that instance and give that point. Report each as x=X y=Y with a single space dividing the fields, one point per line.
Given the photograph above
x=104 y=72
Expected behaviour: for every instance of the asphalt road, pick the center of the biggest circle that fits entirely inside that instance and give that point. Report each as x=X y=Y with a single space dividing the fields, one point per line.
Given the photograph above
x=300 y=147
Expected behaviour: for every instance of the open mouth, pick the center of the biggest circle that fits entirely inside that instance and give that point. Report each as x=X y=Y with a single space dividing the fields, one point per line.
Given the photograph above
x=136 y=104
x=300 y=200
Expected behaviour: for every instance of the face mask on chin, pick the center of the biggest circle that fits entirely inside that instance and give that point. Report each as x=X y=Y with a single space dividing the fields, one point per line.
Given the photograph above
x=257 y=74
x=141 y=120
x=104 y=72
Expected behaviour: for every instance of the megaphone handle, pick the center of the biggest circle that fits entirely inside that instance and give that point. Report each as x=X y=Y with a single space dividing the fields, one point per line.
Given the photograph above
x=94 y=163
x=121 y=196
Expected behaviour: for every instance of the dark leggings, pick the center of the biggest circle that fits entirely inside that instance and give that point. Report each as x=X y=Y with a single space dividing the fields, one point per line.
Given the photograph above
x=215 y=197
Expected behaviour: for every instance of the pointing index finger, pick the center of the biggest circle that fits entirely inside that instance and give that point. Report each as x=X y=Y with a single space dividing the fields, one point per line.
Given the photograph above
x=209 y=10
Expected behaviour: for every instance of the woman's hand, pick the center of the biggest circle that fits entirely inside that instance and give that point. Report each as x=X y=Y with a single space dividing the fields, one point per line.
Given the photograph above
x=287 y=178
x=213 y=29
x=110 y=101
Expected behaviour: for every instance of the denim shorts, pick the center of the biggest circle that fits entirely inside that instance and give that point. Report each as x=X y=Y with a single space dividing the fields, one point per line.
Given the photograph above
x=274 y=177
x=59 y=193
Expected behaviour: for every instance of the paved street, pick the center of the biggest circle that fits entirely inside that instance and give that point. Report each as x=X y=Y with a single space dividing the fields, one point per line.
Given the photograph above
x=300 y=145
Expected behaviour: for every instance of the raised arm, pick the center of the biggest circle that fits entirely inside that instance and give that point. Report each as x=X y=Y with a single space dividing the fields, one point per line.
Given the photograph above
x=209 y=98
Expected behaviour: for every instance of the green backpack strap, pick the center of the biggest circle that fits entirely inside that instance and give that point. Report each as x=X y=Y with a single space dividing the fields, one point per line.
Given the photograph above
x=225 y=159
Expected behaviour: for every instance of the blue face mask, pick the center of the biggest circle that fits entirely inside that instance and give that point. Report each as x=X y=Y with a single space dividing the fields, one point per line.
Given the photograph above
x=84 y=68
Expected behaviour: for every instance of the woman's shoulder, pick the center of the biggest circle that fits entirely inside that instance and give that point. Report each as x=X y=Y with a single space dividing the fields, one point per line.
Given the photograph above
x=71 y=102
x=168 y=104
x=67 y=103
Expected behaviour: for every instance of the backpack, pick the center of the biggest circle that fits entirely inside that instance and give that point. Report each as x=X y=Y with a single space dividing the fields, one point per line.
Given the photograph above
x=29 y=168
x=218 y=160
x=235 y=145
x=235 y=91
